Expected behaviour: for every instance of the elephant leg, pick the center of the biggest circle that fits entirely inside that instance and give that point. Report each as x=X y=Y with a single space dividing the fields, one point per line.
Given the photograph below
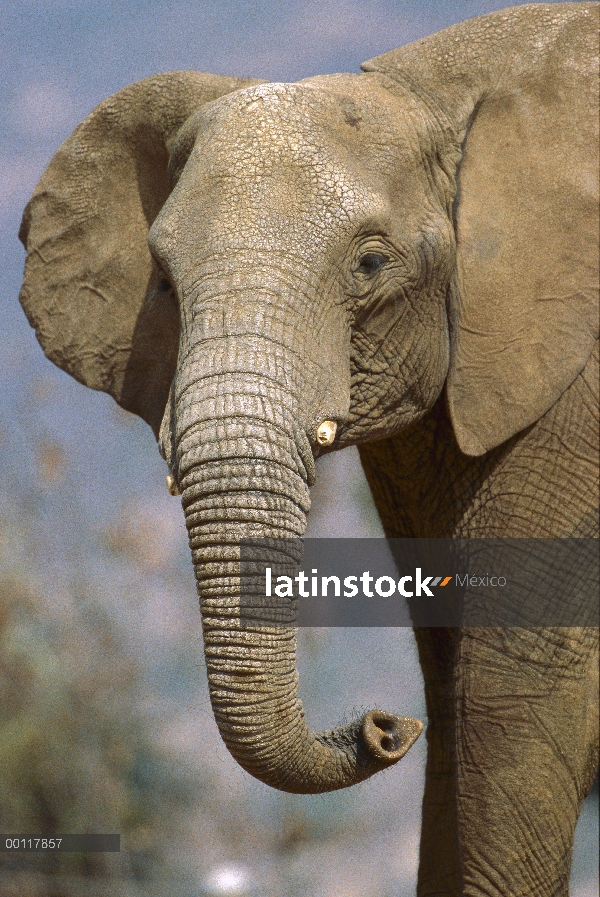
x=439 y=868
x=507 y=776
x=526 y=743
x=512 y=714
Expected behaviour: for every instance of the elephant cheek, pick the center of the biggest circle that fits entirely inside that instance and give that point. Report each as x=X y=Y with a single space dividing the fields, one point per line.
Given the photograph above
x=397 y=375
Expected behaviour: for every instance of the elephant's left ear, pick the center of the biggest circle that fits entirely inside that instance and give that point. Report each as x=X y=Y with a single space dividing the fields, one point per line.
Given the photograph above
x=518 y=91
x=91 y=288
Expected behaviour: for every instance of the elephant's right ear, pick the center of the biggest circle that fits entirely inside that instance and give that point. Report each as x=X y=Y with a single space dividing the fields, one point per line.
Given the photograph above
x=91 y=288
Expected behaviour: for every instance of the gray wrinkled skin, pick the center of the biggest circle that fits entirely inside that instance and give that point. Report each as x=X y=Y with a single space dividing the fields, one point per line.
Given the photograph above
x=411 y=254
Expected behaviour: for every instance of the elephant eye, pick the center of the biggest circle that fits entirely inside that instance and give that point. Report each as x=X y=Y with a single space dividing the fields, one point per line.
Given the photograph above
x=371 y=262
x=164 y=285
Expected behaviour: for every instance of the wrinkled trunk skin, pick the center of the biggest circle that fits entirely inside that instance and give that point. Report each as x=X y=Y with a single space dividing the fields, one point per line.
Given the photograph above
x=243 y=476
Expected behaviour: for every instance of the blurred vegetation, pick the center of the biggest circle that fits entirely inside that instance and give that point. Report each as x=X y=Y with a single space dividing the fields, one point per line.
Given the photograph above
x=79 y=749
x=76 y=752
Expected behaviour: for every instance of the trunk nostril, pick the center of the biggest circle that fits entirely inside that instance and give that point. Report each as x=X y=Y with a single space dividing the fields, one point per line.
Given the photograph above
x=387 y=736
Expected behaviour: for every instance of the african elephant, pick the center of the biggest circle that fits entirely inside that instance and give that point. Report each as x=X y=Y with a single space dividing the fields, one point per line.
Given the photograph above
x=403 y=259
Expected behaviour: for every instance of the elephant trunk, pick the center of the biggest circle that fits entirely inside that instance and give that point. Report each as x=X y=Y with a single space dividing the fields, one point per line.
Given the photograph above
x=244 y=478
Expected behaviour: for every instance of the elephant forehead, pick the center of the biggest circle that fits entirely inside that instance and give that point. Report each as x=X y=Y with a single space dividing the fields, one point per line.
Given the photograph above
x=299 y=127
x=279 y=107
x=345 y=103
x=267 y=192
x=284 y=166
x=264 y=215
x=296 y=178
x=278 y=133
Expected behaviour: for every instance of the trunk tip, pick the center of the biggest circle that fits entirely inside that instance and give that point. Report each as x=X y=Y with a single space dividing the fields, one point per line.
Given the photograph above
x=388 y=737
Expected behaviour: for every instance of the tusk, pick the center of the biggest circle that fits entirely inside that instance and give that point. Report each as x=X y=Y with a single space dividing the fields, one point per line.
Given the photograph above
x=172 y=485
x=326 y=432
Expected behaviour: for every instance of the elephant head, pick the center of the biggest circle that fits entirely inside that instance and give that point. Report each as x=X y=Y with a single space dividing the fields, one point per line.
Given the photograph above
x=267 y=271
